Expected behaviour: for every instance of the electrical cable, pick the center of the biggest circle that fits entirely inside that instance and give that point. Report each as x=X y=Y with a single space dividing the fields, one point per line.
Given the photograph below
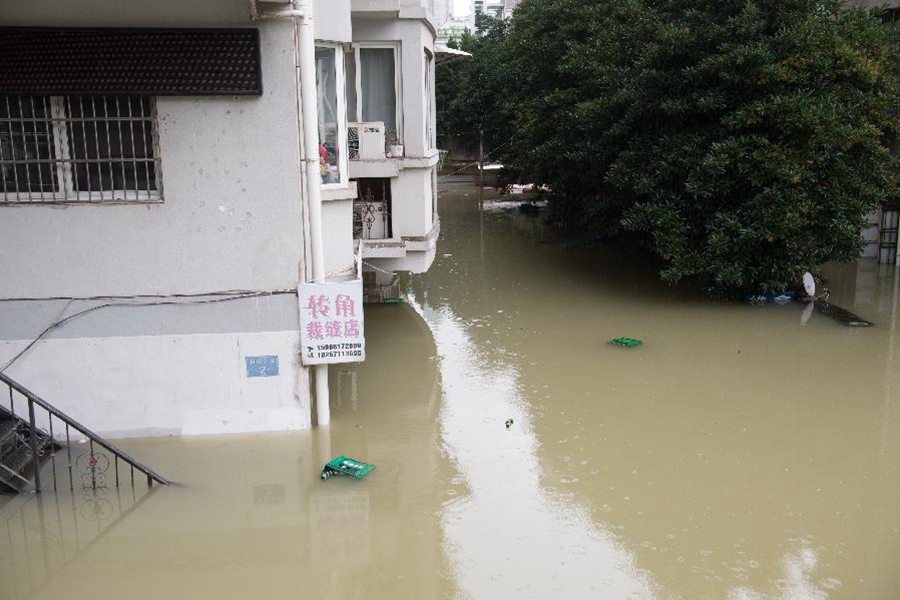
x=172 y=302
x=464 y=167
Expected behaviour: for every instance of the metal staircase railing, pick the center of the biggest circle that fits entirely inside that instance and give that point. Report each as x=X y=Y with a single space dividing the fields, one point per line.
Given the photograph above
x=23 y=441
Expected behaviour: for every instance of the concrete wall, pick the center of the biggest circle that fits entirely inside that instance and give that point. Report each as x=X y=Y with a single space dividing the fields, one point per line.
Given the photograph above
x=412 y=215
x=333 y=20
x=874 y=3
x=337 y=222
x=231 y=212
x=231 y=218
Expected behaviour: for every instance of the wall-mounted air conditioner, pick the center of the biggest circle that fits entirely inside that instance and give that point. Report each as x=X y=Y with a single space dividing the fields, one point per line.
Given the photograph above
x=365 y=141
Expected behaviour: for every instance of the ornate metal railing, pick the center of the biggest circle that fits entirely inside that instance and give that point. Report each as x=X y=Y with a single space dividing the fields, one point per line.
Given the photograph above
x=28 y=439
x=372 y=209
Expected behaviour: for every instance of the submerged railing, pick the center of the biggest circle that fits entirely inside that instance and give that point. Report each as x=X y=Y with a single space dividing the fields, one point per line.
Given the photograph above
x=93 y=466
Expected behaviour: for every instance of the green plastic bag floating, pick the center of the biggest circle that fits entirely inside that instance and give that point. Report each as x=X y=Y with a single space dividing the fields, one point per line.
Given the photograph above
x=625 y=342
x=346 y=466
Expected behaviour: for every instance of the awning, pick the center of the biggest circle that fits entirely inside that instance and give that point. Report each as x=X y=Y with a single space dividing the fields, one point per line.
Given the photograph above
x=444 y=54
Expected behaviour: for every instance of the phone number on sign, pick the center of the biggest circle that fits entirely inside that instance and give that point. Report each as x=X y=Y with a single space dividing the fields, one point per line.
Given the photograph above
x=338 y=353
x=322 y=347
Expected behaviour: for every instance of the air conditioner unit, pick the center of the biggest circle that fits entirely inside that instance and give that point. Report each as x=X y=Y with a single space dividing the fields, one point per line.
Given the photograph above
x=365 y=141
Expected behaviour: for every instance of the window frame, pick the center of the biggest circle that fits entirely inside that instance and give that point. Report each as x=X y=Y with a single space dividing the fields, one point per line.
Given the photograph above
x=63 y=167
x=341 y=109
x=430 y=125
x=398 y=80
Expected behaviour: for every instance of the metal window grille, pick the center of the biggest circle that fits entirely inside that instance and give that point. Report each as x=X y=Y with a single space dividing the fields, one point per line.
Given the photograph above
x=78 y=149
x=890 y=225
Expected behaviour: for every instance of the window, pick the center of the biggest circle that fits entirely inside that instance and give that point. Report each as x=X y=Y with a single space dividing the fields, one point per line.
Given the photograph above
x=78 y=149
x=374 y=92
x=890 y=224
x=332 y=123
x=429 y=101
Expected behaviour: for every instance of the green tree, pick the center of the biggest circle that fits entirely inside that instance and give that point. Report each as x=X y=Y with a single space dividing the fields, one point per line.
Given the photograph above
x=741 y=140
x=470 y=91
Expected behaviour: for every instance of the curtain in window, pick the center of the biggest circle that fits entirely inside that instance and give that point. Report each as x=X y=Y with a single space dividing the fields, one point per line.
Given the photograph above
x=377 y=82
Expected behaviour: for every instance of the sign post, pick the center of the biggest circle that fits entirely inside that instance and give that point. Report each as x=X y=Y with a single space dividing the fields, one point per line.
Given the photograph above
x=331 y=322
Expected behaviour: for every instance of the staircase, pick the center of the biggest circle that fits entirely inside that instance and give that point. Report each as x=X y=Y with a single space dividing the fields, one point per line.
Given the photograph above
x=28 y=443
x=16 y=452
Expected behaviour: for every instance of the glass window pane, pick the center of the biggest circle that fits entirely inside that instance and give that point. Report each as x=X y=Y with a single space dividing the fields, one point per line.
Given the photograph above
x=429 y=103
x=350 y=86
x=326 y=88
x=378 y=89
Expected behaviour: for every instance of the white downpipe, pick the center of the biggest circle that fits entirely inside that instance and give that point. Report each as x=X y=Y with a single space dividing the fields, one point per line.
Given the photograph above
x=310 y=118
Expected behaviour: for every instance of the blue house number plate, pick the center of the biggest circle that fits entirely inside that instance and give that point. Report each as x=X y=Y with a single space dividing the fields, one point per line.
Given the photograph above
x=262 y=366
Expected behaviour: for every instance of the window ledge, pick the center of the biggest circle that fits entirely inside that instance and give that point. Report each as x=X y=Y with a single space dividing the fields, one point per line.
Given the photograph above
x=332 y=194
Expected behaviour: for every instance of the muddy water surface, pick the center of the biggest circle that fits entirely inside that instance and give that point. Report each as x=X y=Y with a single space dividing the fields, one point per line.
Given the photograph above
x=741 y=453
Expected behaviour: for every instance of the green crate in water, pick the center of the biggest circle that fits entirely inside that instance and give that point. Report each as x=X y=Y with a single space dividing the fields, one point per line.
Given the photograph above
x=346 y=466
x=625 y=342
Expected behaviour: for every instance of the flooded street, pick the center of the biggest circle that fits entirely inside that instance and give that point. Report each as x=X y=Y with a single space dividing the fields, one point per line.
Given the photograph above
x=740 y=453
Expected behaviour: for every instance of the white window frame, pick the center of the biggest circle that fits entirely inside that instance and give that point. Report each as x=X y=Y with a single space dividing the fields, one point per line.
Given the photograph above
x=66 y=194
x=341 y=108
x=398 y=79
x=429 y=133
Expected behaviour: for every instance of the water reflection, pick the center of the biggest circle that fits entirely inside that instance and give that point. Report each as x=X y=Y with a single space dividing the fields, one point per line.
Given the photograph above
x=506 y=537
x=48 y=534
x=739 y=453
x=694 y=464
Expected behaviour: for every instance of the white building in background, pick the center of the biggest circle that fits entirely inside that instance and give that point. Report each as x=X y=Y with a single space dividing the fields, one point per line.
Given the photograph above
x=152 y=158
x=499 y=9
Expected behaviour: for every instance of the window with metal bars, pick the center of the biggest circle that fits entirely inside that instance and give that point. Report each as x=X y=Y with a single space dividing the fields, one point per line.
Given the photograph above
x=78 y=149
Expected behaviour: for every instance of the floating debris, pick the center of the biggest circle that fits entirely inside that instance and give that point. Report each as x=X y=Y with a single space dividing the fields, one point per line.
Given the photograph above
x=780 y=298
x=346 y=466
x=509 y=423
x=625 y=342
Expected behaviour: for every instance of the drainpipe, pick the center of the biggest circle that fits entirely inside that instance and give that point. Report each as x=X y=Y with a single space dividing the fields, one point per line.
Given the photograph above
x=310 y=119
x=301 y=14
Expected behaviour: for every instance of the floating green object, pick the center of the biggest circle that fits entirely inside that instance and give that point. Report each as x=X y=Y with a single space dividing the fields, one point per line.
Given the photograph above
x=625 y=342
x=346 y=466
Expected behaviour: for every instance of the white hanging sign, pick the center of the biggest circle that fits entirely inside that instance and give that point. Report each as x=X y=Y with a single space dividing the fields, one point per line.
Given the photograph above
x=331 y=322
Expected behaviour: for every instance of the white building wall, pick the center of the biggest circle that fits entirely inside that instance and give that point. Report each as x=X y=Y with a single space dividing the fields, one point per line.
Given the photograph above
x=231 y=218
x=231 y=215
x=333 y=20
x=412 y=198
x=411 y=216
x=136 y=386
x=337 y=223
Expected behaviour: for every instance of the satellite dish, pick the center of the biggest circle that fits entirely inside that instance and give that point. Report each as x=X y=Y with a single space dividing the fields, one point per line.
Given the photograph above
x=809 y=284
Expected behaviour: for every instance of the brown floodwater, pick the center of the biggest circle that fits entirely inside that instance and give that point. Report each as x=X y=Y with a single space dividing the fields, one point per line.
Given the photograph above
x=740 y=453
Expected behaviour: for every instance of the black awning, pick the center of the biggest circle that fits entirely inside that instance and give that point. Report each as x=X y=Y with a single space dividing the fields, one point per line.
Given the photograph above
x=174 y=62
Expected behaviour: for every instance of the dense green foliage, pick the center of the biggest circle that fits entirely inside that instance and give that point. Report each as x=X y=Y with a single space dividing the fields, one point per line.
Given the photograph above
x=741 y=140
x=470 y=92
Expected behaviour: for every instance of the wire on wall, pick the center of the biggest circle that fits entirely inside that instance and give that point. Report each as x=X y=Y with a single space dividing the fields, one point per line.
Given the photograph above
x=167 y=300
